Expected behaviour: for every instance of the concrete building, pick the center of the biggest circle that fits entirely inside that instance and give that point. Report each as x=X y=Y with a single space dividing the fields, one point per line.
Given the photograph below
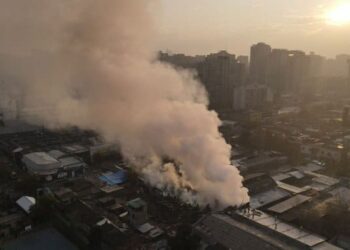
x=53 y=165
x=137 y=209
x=244 y=60
x=41 y=163
x=252 y=96
x=298 y=69
x=277 y=69
x=342 y=64
x=316 y=65
x=349 y=73
x=336 y=67
x=221 y=73
x=259 y=56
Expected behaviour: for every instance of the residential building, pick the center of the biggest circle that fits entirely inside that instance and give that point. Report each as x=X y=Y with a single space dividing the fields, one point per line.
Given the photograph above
x=259 y=56
x=137 y=209
x=221 y=73
x=252 y=96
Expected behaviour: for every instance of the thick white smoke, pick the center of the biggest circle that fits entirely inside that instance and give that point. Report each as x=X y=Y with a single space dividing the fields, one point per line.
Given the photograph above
x=91 y=64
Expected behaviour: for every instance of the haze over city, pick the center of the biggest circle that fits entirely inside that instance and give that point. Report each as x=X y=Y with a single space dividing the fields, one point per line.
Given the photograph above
x=174 y=125
x=205 y=26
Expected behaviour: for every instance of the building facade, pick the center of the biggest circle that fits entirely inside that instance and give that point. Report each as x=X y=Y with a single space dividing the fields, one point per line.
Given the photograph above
x=259 y=56
x=221 y=73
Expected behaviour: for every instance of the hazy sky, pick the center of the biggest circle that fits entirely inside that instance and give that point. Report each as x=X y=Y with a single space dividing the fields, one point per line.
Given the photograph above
x=202 y=26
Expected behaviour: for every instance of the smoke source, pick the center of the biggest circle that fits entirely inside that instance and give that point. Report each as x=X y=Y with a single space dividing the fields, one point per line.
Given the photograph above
x=91 y=64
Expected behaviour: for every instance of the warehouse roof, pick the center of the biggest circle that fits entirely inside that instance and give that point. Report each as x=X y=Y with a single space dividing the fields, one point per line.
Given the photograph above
x=289 y=204
x=305 y=237
x=41 y=158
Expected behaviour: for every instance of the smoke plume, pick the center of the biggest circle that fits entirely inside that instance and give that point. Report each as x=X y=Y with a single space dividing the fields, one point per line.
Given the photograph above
x=91 y=64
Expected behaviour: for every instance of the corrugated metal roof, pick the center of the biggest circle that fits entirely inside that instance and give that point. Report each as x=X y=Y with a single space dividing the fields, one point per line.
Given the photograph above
x=318 y=186
x=327 y=180
x=325 y=246
x=288 y=230
x=267 y=197
x=291 y=188
x=289 y=204
x=280 y=177
x=311 y=167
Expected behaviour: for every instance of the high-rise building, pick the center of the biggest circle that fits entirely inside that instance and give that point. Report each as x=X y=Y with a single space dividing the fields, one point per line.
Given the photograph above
x=298 y=70
x=277 y=68
x=259 y=56
x=244 y=60
x=346 y=116
x=252 y=97
x=181 y=60
x=316 y=65
x=221 y=73
x=342 y=63
x=337 y=67
x=349 y=73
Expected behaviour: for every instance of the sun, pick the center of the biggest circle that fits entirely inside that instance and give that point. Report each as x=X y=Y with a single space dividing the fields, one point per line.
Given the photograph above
x=339 y=15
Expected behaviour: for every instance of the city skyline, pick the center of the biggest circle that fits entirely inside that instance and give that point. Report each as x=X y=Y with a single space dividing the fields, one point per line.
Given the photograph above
x=202 y=27
x=115 y=136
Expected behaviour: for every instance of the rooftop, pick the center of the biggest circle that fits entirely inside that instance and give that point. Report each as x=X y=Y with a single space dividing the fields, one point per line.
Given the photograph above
x=307 y=238
x=289 y=203
x=234 y=234
x=41 y=158
x=26 y=203
x=136 y=203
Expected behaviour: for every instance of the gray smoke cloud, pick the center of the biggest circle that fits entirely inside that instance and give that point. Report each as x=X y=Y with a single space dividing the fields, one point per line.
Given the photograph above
x=91 y=64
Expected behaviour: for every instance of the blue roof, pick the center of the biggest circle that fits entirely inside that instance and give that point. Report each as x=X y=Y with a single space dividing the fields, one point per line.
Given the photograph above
x=114 y=178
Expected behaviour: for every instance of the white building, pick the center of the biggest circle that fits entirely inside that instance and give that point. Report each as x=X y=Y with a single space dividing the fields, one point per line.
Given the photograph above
x=26 y=203
x=53 y=165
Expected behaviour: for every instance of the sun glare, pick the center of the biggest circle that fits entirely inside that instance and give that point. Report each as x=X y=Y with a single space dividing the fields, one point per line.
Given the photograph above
x=339 y=15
